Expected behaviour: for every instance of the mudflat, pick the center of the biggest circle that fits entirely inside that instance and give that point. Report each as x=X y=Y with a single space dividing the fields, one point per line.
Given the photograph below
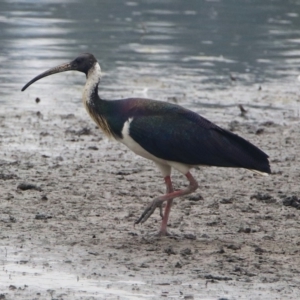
x=69 y=199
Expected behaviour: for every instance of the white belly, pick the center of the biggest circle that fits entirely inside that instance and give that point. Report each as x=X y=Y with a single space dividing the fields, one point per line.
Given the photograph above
x=137 y=149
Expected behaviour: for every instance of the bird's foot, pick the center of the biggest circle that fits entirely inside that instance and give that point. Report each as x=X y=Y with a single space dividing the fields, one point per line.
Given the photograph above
x=166 y=234
x=157 y=202
x=162 y=233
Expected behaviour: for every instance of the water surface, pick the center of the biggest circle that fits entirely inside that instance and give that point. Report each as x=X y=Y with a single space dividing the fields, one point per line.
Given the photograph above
x=193 y=51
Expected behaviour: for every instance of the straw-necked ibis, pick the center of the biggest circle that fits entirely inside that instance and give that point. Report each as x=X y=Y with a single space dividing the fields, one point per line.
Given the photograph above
x=170 y=135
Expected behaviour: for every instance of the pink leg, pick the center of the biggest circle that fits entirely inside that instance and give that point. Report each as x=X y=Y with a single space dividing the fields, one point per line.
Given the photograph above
x=164 y=223
x=157 y=202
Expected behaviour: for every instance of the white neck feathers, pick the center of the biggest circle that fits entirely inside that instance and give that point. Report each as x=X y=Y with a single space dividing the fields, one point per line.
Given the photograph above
x=93 y=79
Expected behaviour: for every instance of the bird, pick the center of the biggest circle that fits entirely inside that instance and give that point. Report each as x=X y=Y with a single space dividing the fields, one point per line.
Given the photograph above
x=172 y=136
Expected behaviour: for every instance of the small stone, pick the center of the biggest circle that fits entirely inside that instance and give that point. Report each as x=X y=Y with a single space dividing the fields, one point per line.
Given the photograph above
x=169 y=250
x=226 y=201
x=292 y=201
x=259 y=250
x=12 y=219
x=39 y=216
x=259 y=131
x=195 y=197
x=266 y=198
x=245 y=230
x=233 y=247
x=93 y=148
x=188 y=297
x=221 y=251
x=189 y=236
x=216 y=277
x=186 y=251
x=28 y=186
x=204 y=236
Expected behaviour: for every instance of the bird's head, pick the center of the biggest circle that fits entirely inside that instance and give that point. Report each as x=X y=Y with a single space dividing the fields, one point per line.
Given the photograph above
x=83 y=63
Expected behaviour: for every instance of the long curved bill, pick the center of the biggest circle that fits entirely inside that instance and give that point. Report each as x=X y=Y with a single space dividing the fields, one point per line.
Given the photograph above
x=58 y=69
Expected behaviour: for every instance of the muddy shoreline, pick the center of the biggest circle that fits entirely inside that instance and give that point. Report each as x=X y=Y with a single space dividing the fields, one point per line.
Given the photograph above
x=70 y=235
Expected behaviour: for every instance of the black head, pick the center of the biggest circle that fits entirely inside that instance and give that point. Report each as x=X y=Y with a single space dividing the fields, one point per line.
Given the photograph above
x=83 y=63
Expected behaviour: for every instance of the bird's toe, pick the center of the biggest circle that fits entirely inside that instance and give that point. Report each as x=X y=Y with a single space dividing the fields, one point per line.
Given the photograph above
x=157 y=202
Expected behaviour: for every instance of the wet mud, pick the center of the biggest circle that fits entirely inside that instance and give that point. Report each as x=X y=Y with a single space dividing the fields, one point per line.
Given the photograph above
x=69 y=199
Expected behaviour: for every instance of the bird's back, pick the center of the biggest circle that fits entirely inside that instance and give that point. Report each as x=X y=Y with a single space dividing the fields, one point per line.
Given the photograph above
x=173 y=133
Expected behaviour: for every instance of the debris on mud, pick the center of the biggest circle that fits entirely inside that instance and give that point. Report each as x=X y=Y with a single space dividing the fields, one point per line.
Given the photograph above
x=28 y=186
x=292 y=201
x=266 y=198
x=41 y=216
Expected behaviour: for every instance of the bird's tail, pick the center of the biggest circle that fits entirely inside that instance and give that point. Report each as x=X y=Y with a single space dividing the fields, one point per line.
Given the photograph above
x=243 y=154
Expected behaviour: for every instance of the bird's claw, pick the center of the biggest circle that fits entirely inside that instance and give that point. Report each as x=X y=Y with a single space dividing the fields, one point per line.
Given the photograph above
x=150 y=210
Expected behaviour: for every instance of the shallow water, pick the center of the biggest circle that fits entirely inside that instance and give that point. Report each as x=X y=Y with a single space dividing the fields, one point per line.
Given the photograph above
x=44 y=281
x=28 y=276
x=170 y=50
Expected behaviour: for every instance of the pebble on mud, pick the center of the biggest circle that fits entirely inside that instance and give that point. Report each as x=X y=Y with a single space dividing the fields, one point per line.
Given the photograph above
x=189 y=236
x=266 y=198
x=292 y=201
x=169 y=250
x=259 y=250
x=190 y=297
x=44 y=198
x=93 y=148
x=226 y=201
x=186 y=251
x=216 y=277
x=39 y=216
x=195 y=197
x=233 y=247
x=28 y=186
x=245 y=230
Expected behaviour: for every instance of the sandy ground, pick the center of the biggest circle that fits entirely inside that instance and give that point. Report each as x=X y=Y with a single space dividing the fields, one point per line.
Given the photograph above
x=69 y=198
